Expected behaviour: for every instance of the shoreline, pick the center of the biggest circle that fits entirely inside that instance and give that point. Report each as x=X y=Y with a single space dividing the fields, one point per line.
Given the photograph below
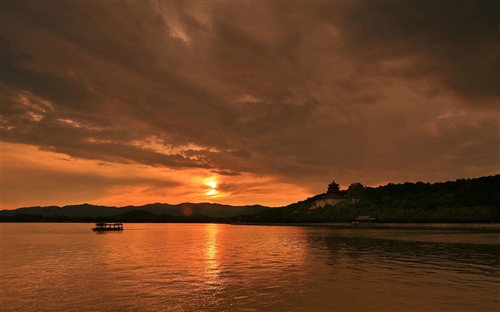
x=388 y=225
x=489 y=226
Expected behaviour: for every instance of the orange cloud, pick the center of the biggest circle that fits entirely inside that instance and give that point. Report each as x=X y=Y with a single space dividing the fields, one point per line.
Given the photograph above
x=36 y=177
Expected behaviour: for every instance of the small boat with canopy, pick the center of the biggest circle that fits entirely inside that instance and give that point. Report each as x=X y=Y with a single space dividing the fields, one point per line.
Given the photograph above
x=103 y=226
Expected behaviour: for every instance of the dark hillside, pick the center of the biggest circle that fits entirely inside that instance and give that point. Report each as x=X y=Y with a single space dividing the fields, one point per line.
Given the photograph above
x=460 y=201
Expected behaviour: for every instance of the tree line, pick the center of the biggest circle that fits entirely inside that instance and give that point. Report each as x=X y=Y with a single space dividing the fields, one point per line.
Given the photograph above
x=460 y=201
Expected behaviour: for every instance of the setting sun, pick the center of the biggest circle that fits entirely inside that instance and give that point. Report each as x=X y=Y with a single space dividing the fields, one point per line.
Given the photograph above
x=212 y=190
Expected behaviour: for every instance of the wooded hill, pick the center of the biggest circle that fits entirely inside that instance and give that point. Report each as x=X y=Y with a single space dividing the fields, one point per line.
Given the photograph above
x=461 y=201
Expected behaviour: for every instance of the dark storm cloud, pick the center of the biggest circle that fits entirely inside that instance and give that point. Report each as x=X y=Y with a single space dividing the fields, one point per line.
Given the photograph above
x=300 y=91
x=456 y=43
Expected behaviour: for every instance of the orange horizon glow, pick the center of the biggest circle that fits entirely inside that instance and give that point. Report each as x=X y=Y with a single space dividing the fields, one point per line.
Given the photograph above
x=45 y=178
x=58 y=179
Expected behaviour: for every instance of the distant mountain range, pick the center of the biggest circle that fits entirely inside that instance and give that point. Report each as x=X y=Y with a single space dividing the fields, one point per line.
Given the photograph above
x=185 y=209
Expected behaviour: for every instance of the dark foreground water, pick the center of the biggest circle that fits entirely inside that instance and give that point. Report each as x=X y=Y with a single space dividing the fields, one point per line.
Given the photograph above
x=215 y=267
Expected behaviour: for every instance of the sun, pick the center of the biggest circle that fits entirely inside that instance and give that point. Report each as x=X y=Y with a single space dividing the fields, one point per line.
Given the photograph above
x=212 y=185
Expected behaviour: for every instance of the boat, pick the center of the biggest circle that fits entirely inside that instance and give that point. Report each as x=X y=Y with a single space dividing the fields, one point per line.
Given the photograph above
x=103 y=226
x=363 y=220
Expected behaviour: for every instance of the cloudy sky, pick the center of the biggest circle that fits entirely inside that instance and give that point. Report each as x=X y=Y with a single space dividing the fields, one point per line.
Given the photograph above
x=119 y=103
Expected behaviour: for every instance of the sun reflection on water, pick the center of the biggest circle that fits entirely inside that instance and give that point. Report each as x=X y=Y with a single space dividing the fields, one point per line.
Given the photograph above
x=212 y=267
x=213 y=284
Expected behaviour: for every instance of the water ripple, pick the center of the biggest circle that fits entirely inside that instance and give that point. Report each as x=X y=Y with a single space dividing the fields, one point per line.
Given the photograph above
x=209 y=267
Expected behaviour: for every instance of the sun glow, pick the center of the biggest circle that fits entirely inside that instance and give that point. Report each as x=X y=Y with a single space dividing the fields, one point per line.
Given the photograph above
x=212 y=185
x=117 y=184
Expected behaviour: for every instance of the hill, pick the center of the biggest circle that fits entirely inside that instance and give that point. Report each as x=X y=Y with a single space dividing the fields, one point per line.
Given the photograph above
x=461 y=201
x=185 y=209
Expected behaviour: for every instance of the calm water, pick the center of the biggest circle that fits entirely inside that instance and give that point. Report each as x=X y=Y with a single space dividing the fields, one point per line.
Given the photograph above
x=215 y=267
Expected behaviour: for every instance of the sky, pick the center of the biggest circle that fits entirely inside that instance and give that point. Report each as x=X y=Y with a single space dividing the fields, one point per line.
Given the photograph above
x=239 y=102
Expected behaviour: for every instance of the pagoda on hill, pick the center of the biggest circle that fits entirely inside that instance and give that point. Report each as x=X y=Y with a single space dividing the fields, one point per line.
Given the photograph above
x=332 y=197
x=333 y=188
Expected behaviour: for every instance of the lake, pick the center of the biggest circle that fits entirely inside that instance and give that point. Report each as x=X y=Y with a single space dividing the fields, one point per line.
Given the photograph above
x=220 y=267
